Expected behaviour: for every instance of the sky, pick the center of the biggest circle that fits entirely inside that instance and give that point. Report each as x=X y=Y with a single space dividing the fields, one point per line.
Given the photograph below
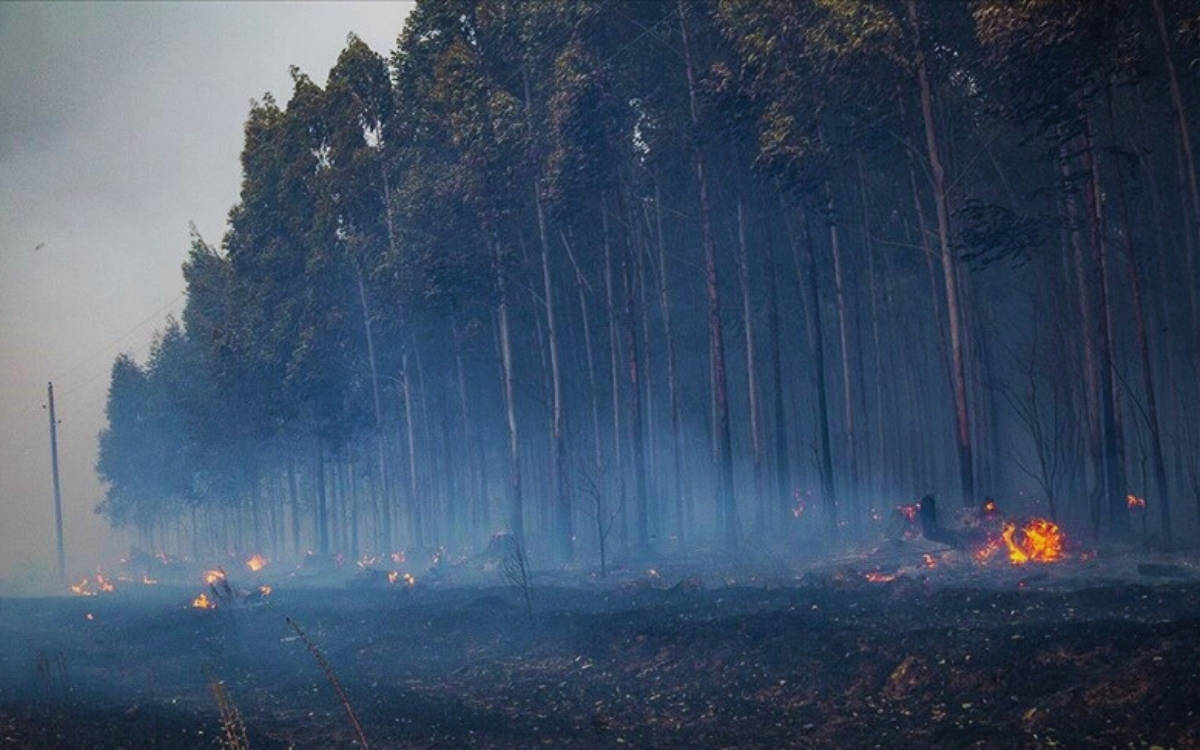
x=120 y=123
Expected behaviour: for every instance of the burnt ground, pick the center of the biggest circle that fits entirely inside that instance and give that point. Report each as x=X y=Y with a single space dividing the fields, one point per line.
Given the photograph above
x=834 y=662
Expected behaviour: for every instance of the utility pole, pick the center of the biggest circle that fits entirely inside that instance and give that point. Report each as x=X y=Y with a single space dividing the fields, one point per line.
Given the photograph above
x=57 y=494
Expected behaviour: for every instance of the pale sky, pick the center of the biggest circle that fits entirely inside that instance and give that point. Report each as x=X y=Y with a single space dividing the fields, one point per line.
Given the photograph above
x=119 y=124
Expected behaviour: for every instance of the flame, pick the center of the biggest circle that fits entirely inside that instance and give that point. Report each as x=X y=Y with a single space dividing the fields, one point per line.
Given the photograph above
x=103 y=583
x=256 y=562
x=392 y=576
x=989 y=506
x=202 y=602
x=876 y=576
x=1039 y=541
x=1134 y=502
x=212 y=576
x=409 y=579
x=264 y=589
x=929 y=561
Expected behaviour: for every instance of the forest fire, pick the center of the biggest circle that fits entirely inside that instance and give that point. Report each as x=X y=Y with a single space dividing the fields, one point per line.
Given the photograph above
x=256 y=562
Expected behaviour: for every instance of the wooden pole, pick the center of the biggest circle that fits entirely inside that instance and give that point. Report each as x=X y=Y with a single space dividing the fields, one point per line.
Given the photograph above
x=58 y=526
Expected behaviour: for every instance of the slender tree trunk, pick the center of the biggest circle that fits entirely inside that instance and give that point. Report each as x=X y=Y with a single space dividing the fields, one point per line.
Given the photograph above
x=683 y=493
x=783 y=480
x=515 y=508
x=1114 y=469
x=322 y=514
x=614 y=358
x=415 y=512
x=637 y=445
x=854 y=506
x=743 y=269
x=876 y=344
x=806 y=271
x=381 y=464
x=1139 y=316
x=725 y=496
x=962 y=421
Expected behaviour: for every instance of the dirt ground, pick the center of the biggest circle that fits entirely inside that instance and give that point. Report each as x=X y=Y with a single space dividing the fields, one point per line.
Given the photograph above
x=828 y=660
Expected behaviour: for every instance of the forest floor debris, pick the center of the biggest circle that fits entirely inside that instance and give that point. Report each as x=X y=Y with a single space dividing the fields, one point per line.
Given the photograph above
x=671 y=660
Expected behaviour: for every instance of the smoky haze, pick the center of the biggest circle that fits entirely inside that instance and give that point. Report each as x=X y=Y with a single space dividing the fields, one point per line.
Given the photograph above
x=120 y=123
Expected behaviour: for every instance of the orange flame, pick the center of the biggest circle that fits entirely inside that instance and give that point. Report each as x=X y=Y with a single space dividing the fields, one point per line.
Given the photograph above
x=202 y=602
x=264 y=589
x=212 y=576
x=929 y=560
x=256 y=562
x=1134 y=502
x=989 y=506
x=392 y=576
x=1038 y=541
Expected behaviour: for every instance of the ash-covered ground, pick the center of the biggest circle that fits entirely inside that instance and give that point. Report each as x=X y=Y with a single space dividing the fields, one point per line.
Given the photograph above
x=896 y=647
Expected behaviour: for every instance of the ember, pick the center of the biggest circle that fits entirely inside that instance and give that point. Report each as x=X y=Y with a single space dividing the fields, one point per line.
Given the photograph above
x=1135 y=503
x=203 y=602
x=256 y=562
x=264 y=589
x=212 y=576
x=929 y=560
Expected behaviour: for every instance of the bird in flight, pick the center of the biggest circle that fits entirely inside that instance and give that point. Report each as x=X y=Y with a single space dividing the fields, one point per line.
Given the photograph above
x=39 y=246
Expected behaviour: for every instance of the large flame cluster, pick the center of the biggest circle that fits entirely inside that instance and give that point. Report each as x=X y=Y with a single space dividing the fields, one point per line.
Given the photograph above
x=1038 y=541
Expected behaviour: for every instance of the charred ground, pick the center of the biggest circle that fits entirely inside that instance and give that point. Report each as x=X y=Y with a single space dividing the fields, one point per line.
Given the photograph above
x=827 y=660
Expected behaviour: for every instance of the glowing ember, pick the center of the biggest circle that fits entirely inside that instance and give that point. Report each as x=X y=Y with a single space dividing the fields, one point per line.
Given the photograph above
x=202 y=602
x=264 y=589
x=81 y=588
x=103 y=583
x=1037 y=541
x=256 y=562
x=876 y=576
x=989 y=506
x=212 y=576
x=984 y=553
x=929 y=560
x=1134 y=502
x=393 y=576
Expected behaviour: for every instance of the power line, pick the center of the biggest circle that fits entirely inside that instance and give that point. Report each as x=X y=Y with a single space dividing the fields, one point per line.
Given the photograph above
x=107 y=347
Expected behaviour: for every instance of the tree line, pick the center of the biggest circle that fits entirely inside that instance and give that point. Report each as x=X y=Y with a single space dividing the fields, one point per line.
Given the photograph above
x=681 y=275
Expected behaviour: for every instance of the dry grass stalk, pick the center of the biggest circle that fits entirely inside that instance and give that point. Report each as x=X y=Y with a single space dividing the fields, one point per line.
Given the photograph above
x=233 y=729
x=333 y=680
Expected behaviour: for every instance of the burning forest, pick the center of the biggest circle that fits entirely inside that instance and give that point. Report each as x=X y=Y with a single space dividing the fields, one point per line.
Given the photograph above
x=787 y=373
